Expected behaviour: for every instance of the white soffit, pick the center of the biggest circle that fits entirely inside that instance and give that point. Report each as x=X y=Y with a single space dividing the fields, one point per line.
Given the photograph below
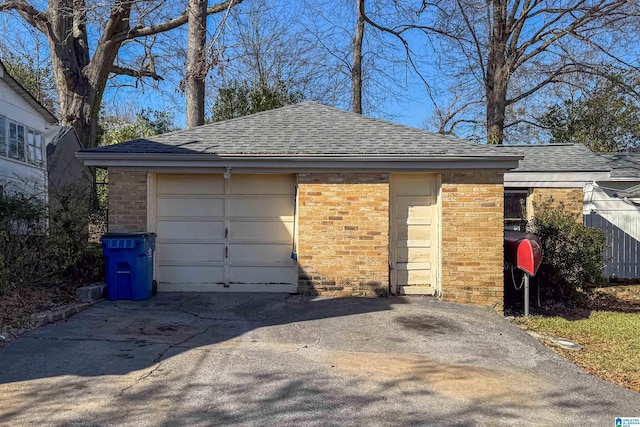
x=553 y=179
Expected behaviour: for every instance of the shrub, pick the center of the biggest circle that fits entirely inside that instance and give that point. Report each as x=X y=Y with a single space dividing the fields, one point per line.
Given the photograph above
x=573 y=254
x=46 y=245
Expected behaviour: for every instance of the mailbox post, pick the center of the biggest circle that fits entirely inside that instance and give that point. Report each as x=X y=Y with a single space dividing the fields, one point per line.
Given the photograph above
x=523 y=251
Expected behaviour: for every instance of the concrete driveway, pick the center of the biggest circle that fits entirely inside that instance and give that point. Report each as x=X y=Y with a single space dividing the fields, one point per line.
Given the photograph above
x=239 y=359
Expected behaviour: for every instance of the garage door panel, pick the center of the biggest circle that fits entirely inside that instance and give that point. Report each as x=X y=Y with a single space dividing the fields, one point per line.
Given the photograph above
x=261 y=207
x=417 y=185
x=265 y=184
x=191 y=230
x=191 y=252
x=264 y=231
x=203 y=274
x=414 y=254
x=190 y=184
x=413 y=231
x=414 y=277
x=260 y=275
x=188 y=207
x=259 y=253
x=414 y=208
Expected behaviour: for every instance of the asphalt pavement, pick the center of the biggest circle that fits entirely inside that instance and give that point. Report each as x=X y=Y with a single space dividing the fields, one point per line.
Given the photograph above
x=275 y=359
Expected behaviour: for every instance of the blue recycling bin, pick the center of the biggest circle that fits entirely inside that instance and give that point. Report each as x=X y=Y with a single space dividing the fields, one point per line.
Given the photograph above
x=129 y=265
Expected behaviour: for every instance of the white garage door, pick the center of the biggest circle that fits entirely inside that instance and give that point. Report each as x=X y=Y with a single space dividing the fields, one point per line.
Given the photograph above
x=220 y=235
x=413 y=248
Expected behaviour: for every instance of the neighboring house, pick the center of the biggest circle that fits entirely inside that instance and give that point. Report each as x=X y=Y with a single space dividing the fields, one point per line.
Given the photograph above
x=558 y=172
x=312 y=199
x=601 y=189
x=23 y=121
x=613 y=205
x=66 y=173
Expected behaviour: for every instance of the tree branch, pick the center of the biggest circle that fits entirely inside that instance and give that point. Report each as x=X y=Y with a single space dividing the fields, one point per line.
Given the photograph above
x=171 y=23
x=138 y=74
x=33 y=16
x=601 y=10
x=476 y=41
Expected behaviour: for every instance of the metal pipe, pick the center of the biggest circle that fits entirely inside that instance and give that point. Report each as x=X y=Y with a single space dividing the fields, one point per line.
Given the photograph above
x=526 y=295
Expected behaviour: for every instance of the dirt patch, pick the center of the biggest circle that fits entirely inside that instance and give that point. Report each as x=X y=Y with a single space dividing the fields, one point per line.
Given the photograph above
x=463 y=382
x=18 y=305
x=629 y=294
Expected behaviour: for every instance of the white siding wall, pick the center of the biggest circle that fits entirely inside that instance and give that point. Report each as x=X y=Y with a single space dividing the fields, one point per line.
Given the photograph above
x=620 y=220
x=15 y=174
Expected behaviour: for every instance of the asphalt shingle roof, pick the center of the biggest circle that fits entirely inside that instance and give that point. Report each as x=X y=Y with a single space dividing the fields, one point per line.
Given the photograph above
x=556 y=158
x=623 y=165
x=307 y=128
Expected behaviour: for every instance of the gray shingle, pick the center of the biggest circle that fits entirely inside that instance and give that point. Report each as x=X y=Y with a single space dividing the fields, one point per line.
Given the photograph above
x=307 y=128
x=556 y=158
x=623 y=165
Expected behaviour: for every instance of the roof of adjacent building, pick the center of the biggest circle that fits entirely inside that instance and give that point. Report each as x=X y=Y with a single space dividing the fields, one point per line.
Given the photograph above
x=24 y=93
x=305 y=129
x=556 y=158
x=623 y=165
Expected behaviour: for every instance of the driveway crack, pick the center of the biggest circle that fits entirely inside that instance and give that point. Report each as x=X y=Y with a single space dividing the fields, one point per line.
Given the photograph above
x=158 y=360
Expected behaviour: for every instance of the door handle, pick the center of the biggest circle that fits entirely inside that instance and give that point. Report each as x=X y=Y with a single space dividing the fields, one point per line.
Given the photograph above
x=226 y=232
x=226 y=251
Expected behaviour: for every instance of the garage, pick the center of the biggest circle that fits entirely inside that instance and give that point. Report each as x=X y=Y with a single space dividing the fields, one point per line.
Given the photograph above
x=368 y=207
x=218 y=234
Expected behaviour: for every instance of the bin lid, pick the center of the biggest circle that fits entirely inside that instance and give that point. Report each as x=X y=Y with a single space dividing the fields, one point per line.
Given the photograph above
x=140 y=235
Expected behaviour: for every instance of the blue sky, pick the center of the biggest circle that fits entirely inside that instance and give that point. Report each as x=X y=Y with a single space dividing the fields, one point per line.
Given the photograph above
x=404 y=102
x=395 y=92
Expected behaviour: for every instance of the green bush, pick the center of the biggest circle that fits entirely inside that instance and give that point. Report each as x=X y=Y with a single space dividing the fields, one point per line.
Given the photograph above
x=573 y=254
x=44 y=245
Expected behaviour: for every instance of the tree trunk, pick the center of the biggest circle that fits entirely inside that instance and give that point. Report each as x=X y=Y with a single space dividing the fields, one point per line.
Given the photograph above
x=80 y=81
x=496 y=93
x=497 y=74
x=356 y=68
x=196 y=62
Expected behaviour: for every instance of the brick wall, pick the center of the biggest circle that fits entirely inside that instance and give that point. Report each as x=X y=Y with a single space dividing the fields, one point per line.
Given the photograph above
x=571 y=198
x=472 y=238
x=343 y=233
x=127 y=201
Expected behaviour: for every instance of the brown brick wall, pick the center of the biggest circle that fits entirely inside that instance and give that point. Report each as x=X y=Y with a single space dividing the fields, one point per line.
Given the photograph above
x=472 y=238
x=343 y=233
x=127 y=201
x=571 y=198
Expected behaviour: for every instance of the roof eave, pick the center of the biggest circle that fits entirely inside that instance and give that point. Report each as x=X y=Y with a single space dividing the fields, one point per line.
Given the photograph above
x=155 y=160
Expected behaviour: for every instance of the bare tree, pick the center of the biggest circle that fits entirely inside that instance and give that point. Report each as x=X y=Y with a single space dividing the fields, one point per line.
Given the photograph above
x=513 y=49
x=196 y=62
x=367 y=68
x=267 y=47
x=81 y=66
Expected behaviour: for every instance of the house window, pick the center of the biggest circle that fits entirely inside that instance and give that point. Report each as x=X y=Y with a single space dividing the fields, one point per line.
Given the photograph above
x=16 y=141
x=21 y=143
x=515 y=209
x=34 y=147
x=3 y=138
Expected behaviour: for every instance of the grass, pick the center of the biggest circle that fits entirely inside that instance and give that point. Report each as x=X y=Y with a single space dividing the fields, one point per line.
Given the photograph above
x=611 y=343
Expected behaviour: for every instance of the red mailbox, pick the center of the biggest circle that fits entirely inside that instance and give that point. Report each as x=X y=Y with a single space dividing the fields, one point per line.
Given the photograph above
x=523 y=251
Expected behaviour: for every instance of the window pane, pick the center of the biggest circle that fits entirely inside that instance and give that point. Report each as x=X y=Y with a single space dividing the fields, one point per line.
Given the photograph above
x=30 y=146
x=515 y=206
x=20 y=142
x=3 y=138
x=13 y=140
x=38 y=147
